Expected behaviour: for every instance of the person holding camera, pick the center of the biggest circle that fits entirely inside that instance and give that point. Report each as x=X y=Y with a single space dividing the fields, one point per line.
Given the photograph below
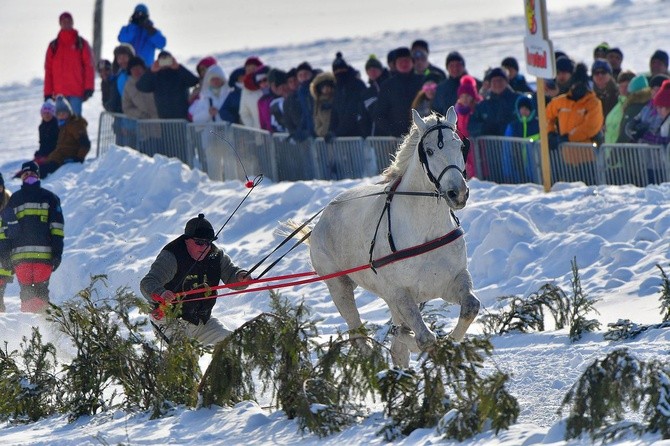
x=170 y=82
x=142 y=35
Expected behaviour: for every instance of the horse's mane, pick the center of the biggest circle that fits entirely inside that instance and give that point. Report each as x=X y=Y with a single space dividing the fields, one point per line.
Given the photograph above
x=405 y=150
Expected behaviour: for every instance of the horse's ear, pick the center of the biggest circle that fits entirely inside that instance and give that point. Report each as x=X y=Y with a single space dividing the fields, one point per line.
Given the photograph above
x=416 y=117
x=452 y=117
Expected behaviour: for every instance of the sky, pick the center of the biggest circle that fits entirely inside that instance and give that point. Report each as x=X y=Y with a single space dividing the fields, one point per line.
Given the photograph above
x=122 y=208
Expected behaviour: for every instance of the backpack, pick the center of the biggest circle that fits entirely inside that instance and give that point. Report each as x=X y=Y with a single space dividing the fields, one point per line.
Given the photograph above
x=53 y=45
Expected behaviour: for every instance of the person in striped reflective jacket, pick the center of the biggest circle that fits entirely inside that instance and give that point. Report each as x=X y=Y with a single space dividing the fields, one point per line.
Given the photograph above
x=5 y=264
x=33 y=229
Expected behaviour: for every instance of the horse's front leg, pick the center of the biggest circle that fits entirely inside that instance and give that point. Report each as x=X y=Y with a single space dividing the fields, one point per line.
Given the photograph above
x=468 y=302
x=408 y=312
x=342 y=291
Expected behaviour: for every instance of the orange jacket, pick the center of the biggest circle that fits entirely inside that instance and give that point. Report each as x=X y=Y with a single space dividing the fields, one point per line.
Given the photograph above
x=68 y=66
x=581 y=120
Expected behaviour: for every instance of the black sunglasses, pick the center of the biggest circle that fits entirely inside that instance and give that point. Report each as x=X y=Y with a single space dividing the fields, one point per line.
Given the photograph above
x=201 y=241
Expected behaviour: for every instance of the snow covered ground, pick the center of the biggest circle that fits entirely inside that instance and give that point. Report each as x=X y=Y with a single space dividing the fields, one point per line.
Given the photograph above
x=121 y=209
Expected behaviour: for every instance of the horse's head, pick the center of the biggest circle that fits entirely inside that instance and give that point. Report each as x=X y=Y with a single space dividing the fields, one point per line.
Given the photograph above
x=441 y=153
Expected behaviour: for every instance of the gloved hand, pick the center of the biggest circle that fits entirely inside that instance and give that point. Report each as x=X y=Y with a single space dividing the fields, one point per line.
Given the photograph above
x=168 y=296
x=87 y=94
x=149 y=26
x=55 y=262
x=555 y=140
x=329 y=137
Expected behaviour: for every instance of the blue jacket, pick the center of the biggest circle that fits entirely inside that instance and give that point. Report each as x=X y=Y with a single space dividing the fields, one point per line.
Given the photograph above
x=144 y=43
x=33 y=223
x=493 y=114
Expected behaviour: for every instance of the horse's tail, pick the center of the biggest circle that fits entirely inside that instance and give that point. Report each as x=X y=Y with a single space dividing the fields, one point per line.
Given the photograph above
x=294 y=229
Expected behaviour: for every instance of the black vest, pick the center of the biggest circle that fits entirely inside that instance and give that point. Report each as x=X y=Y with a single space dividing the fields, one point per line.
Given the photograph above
x=191 y=275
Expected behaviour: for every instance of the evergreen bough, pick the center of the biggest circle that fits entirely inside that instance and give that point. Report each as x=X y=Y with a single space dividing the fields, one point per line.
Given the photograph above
x=528 y=314
x=613 y=388
x=29 y=385
x=447 y=391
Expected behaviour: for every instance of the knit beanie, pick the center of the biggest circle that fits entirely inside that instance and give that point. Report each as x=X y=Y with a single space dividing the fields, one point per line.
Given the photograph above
x=136 y=61
x=339 y=63
x=205 y=62
x=660 y=55
x=373 y=62
x=565 y=64
x=662 y=96
x=510 y=62
x=199 y=227
x=62 y=105
x=496 y=72
x=304 y=66
x=579 y=75
x=455 y=55
x=48 y=107
x=65 y=15
x=260 y=74
x=403 y=51
x=253 y=60
x=29 y=166
x=657 y=80
x=601 y=65
x=467 y=89
x=638 y=83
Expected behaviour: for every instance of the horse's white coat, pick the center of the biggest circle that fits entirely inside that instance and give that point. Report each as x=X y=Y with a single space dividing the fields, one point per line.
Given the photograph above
x=341 y=240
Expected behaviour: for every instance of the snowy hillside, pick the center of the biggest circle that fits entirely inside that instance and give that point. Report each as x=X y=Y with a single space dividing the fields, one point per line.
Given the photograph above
x=121 y=209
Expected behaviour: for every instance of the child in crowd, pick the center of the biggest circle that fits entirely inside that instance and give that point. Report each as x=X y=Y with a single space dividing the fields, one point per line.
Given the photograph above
x=468 y=97
x=48 y=131
x=73 y=143
x=517 y=165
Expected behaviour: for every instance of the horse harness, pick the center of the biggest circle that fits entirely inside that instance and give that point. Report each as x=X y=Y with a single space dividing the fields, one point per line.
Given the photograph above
x=391 y=192
x=465 y=147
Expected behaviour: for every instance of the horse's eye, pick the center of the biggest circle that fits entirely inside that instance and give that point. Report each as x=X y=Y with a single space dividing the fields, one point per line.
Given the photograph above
x=429 y=152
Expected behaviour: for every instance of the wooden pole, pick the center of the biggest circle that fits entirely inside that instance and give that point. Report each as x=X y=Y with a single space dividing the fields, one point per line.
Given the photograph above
x=97 y=31
x=544 y=142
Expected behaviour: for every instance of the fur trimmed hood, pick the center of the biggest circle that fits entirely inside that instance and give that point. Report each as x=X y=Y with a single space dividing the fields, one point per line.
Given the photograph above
x=320 y=79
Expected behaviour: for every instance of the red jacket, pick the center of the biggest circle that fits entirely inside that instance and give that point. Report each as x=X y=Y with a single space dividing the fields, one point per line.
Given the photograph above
x=68 y=67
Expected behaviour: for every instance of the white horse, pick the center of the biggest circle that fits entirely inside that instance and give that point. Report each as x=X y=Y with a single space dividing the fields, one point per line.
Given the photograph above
x=411 y=208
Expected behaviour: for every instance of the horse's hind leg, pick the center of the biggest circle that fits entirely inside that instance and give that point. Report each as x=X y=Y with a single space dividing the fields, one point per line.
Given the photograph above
x=469 y=305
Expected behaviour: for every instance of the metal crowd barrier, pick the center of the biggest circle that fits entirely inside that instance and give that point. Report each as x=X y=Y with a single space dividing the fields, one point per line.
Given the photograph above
x=214 y=148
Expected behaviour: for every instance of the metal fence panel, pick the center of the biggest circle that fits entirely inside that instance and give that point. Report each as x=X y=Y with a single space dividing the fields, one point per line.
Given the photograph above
x=506 y=160
x=498 y=159
x=295 y=160
x=576 y=162
x=211 y=146
x=343 y=157
x=637 y=164
x=256 y=150
x=383 y=150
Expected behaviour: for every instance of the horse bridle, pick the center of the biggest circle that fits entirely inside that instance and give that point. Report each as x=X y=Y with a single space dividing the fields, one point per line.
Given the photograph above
x=465 y=146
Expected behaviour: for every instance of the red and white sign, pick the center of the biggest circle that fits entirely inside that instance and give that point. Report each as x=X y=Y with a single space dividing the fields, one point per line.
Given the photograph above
x=538 y=50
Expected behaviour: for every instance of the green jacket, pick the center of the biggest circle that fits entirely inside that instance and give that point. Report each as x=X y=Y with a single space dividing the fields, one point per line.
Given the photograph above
x=613 y=121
